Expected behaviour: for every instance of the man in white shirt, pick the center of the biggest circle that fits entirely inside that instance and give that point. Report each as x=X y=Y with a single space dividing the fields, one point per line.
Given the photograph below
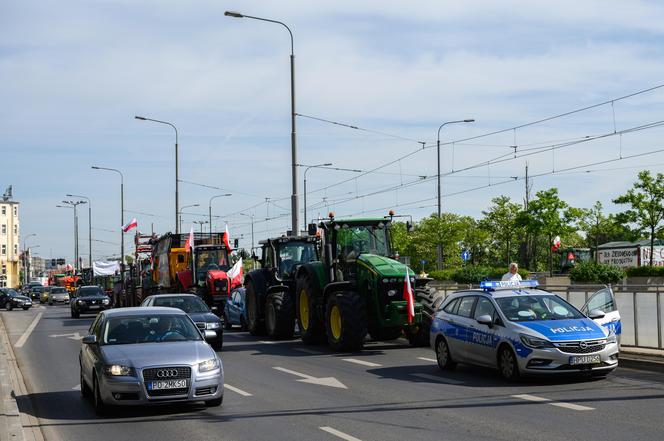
x=513 y=274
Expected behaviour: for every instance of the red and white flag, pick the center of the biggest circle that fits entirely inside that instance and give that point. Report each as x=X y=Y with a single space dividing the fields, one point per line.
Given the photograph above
x=227 y=240
x=235 y=274
x=189 y=244
x=408 y=297
x=130 y=225
x=556 y=243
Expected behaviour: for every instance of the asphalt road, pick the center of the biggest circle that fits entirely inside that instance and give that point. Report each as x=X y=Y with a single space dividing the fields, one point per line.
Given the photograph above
x=289 y=391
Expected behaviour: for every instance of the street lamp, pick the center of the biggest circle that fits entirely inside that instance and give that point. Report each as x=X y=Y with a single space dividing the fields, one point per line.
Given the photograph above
x=201 y=223
x=89 y=225
x=75 y=204
x=295 y=212
x=439 y=260
x=122 y=257
x=252 y=236
x=181 y=210
x=210 y=207
x=177 y=180
x=26 y=260
x=327 y=164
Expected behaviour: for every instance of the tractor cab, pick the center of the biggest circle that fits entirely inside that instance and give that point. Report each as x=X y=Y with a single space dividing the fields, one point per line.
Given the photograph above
x=209 y=258
x=284 y=254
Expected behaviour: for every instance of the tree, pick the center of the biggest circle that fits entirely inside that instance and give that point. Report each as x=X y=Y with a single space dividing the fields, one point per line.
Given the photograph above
x=550 y=216
x=500 y=222
x=646 y=212
x=601 y=229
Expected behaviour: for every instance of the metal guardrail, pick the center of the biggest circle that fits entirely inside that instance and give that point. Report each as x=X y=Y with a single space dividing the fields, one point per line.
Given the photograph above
x=641 y=308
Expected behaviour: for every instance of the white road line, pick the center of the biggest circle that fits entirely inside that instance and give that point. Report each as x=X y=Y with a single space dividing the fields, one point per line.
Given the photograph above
x=433 y=360
x=339 y=434
x=307 y=351
x=537 y=399
x=77 y=387
x=361 y=362
x=267 y=342
x=438 y=379
x=21 y=341
x=237 y=391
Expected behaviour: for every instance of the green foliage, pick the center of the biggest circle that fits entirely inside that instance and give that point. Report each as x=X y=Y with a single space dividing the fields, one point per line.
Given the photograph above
x=475 y=274
x=591 y=272
x=500 y=221
x=646 y=271
x=445 y=274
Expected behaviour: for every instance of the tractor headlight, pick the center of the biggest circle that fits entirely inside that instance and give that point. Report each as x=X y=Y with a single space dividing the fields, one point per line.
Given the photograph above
x=392 y=292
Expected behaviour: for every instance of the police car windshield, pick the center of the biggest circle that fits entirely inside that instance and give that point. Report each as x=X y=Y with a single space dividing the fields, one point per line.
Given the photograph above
x=525 y=308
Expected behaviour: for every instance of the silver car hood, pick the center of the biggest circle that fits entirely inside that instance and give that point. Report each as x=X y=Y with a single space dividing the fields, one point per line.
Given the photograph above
x=143 y=355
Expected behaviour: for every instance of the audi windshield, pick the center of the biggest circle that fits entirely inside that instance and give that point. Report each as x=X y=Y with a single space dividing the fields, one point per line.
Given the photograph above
x=159 y=328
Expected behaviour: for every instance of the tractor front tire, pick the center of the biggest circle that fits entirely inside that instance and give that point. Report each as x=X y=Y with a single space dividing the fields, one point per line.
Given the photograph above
x=346 y=321
x=385 y=334
x=253 y=322
x=312 y=327
x=280 y=315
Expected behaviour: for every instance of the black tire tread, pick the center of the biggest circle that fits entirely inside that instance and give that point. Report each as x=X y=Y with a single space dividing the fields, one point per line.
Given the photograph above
x=316 y=332
x=284 y=309
x=257 y=326
x=353 y=321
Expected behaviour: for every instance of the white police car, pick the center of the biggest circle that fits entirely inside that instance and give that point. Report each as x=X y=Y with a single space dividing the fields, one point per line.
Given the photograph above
x=520 y=329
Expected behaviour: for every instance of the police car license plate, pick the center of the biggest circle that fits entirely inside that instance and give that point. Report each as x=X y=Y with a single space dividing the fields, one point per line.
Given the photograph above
x=167 y=384
x=585 y=359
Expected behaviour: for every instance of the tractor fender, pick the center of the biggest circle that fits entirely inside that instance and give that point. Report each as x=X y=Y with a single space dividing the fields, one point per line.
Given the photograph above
x=337 y=287
x=277 y=288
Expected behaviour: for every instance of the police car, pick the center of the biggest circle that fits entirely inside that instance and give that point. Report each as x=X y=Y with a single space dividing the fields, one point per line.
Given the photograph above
x=520 y=329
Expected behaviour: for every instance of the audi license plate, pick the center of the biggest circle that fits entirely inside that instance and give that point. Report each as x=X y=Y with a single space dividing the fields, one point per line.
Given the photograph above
x=585 y=359
x=167 y=384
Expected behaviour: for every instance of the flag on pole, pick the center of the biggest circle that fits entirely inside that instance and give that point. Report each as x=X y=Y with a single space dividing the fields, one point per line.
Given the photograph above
x=408 y=297
x=235 y=274
x=227 y=240
x=130 y=225
x=189 y=244
x=556 y=243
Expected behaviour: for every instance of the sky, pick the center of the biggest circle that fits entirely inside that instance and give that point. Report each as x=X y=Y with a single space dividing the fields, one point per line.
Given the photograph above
x=74 y=73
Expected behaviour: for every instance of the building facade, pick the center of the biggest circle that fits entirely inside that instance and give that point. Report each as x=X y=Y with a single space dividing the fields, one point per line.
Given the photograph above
x=9 y=241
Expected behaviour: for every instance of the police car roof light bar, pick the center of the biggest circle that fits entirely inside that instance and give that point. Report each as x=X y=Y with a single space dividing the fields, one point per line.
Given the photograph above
x=490 y=285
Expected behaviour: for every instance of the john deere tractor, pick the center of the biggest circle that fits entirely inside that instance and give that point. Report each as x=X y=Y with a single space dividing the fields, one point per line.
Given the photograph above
x=356 y=287
x=270 y=290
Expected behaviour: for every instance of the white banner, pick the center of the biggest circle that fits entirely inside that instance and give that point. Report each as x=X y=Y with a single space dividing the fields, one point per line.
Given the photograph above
x=620 y=257
x=105 y=268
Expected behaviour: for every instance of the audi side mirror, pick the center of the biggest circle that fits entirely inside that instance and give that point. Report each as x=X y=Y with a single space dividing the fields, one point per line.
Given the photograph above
x=89 y=340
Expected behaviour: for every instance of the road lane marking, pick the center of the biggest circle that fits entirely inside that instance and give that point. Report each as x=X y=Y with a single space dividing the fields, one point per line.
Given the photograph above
x=438 y=379
x=72 y=336
x=537 y=399
x=237 y=390
x=21 y=341
x=323 y=381
x=267 y=342
x=77 y=387
x=433 y=360
x=339 y=434
x=361 y=362
x=307 y=351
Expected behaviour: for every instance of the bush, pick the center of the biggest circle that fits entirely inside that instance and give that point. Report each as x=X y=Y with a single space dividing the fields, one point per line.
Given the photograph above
x=646 y=271
x=591 y=272
x=474 y=274
x=445 y=274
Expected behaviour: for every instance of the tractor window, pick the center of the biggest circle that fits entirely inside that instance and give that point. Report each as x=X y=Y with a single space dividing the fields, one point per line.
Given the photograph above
x=211 y=259
x=295 y=253
x=363 y=239
x=268 y=257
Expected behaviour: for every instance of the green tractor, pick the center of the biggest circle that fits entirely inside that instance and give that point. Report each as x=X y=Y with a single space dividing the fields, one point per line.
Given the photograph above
x=270 y=290
x=356 y=287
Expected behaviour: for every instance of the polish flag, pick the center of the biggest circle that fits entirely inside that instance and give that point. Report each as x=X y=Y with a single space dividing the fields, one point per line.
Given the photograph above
x=235 y=274
x=556 y=243
x=227 y=240
x=130 y=225
x=189 y=244
x=408 y=297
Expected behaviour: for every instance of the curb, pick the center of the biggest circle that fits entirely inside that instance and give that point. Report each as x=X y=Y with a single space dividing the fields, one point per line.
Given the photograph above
x=641 y=363
x=14 y=424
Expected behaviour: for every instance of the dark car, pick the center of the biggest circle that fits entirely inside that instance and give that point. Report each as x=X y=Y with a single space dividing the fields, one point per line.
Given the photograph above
x=199 y=312
x=10 y=299
x=235 y=310
x=88 y=300
x=35 y=292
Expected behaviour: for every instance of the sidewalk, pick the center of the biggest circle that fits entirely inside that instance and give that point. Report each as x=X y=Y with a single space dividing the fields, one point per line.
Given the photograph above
x=642 y=358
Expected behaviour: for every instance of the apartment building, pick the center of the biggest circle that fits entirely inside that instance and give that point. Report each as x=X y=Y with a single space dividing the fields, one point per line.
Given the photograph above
x=9 y=241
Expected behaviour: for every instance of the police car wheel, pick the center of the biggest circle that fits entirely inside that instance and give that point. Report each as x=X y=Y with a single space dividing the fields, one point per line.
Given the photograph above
x=507 y=365
x=443 y=355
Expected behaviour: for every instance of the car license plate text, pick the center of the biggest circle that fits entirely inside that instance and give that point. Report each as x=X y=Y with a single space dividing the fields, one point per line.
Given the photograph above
x=585 y=359
x=167 y=384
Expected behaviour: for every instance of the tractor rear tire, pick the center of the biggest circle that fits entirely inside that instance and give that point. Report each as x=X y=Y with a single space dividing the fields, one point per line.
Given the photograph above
x=346 y=321
x=312 y=327
x=385 y=334
x=254 y=324
x=280 y=315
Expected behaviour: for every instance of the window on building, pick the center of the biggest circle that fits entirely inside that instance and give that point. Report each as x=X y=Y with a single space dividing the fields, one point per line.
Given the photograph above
x=3 y=250
x=15 y=229
x=4 y=269
x=15 y=210
x=15 y=248
x=4 y=229
x=4 y=210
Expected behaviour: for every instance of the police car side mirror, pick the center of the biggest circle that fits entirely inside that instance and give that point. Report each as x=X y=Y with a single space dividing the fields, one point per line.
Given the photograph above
x=596 y=314
x=485 y=320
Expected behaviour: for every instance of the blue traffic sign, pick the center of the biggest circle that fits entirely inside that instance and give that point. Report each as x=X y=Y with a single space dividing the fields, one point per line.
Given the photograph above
x=465 y=255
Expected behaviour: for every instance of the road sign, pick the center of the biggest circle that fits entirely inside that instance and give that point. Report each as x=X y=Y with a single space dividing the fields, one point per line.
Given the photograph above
x=465 y=255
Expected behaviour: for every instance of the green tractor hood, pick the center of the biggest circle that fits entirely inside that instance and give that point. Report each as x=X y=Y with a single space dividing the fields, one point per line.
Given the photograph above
x=383 y=266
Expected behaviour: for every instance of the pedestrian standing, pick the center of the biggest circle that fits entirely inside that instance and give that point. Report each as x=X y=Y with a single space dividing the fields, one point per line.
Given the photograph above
x=513 y=274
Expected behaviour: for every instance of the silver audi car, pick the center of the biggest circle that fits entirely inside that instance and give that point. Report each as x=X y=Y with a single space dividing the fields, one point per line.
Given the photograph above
x=138 y=356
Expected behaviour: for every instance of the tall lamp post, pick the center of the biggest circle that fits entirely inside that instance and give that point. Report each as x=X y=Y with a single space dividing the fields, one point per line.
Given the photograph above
x=327 y=164
x=26 y=259
x=439 y=259
x=177 y=179
x=75 y=232
x=122 y=256
x=180 y=213
x=295 y=212
x=252 y=236
x=89 y=225
x=210 y=207
x=75 y=204
x=201 y=223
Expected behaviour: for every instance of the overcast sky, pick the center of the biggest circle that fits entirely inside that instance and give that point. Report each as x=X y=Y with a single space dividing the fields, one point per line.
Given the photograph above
x=74 y=73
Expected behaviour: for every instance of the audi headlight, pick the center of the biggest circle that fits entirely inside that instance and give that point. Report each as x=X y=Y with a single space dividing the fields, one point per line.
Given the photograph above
x=117 y=370
x=611 y=338
x=208 y=365
x=212 y=325
x=534 y=342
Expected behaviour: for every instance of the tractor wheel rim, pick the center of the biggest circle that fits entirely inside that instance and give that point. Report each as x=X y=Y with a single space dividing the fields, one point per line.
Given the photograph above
x=304 y=310
x=335 y=322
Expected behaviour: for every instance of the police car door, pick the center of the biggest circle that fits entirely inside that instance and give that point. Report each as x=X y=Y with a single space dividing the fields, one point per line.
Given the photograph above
x=465 y=322
x=482 y=339
x=605 y=301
